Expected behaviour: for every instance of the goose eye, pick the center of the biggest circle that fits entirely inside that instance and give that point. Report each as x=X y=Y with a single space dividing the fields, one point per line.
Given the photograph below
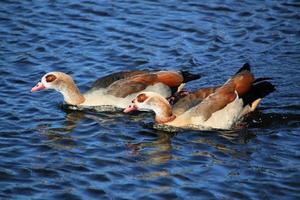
x=141 y=98
x=50 y=78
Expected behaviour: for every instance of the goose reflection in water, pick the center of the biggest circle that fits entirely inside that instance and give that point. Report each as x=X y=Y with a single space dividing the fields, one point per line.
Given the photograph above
x=59 y=137
x=156 y=150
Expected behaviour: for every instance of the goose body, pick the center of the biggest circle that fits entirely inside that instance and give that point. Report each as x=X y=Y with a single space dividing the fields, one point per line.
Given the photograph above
x=215 y=107
x=221 y=119
x=115 y=90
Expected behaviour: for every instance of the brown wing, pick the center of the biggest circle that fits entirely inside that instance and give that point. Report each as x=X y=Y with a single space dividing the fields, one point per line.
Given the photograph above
x=241 y=83
x=122 y=84
x=242 y=80
x=214 y=102
x=134 y=84
x=170 y=78
x=148 y=79
x=209 y=100
x=124 y=88
x=105 y=81
x=191 y=100
x=139 y=82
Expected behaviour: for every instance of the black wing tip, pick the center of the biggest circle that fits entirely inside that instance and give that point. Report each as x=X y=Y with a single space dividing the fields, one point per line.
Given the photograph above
x=258 y=91
x=245 y=67
x=264 y=88
x=187 y=76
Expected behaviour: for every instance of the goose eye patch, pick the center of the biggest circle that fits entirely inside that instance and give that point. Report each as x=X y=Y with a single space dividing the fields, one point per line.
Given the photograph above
x=141 y=98
x=50 y=78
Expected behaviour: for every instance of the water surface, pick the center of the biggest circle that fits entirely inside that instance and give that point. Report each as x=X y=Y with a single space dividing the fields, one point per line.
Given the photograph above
x=47 y=152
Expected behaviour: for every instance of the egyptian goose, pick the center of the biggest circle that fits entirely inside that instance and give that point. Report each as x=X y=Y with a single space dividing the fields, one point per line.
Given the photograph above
x=214 y=107
x=115 y=90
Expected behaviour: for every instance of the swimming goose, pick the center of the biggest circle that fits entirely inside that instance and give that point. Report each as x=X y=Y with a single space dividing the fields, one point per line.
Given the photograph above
x=214 y=107
x=115 y=90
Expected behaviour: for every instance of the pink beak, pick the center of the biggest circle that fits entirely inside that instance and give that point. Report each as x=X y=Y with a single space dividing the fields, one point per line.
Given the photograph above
x=39 y=86
x=130 y=108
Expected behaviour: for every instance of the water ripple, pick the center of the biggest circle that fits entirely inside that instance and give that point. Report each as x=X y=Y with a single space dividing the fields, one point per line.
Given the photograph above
x=52 y=153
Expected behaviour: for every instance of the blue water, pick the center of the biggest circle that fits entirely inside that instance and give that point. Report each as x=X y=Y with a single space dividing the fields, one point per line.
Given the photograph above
x=47 y=152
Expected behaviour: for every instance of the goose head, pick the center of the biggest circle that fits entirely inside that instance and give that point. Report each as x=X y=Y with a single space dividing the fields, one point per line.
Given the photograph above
x=62 y=83
x=150 y=101
x=53 y=80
